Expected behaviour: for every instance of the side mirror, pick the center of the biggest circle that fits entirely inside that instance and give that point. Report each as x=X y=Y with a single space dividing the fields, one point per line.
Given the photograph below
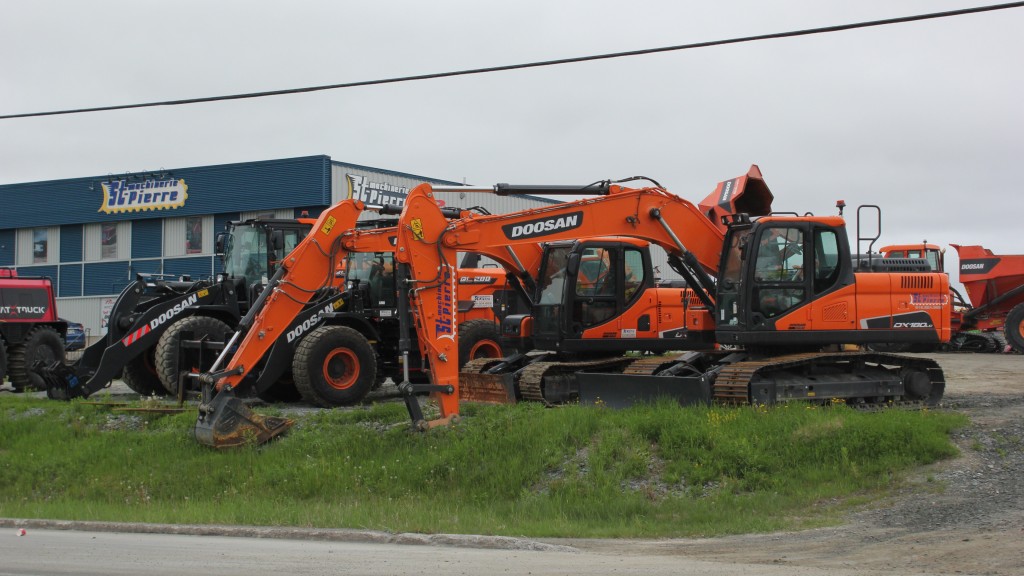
x=573 y=266
x=277 y=240
x=221 y=242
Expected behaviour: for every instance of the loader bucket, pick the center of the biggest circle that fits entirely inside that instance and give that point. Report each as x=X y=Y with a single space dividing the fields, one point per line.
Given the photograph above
x=226 y=423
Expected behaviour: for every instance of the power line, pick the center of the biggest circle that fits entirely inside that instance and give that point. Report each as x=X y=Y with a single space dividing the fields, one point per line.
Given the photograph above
x=777 y=35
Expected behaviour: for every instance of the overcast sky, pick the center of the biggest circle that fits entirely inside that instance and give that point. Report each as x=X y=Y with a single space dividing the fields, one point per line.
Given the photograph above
x=924 y=118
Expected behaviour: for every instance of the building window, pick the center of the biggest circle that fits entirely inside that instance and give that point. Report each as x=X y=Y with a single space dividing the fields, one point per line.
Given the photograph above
x=36 y=246
x=188 y=236
x=39 y=245
x=194 y=235
x=107 y=241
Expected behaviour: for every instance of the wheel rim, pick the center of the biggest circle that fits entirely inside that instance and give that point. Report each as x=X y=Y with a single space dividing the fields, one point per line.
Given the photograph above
x=485 y=349
x=1020 y=329
x=341 y=369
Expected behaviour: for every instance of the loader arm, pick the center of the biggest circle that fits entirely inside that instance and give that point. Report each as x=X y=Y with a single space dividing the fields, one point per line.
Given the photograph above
x=428 y=243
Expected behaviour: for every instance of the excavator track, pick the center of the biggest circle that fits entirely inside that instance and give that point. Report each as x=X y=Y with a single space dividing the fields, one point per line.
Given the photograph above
x=531 y=378
x=479 y=365
x=860 y=377
x=648 y=366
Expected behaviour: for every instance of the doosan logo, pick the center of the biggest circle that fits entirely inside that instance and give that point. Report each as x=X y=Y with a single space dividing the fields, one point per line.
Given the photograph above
x=173 y=311
x=973 y=266
x=543 y=226
x=308 y=323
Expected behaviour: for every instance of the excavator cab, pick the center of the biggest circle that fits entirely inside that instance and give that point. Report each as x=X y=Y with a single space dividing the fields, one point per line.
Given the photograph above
x=774 y=266
x=787 y=281
x=587 y=285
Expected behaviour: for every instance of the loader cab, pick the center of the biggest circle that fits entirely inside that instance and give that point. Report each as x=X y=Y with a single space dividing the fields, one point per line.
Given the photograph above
x=773 y=266
x=370 y=277
x=587 y=284
x=252 y=249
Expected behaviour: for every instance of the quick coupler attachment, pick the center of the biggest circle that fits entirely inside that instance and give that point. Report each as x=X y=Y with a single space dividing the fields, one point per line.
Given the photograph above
x=62 y=383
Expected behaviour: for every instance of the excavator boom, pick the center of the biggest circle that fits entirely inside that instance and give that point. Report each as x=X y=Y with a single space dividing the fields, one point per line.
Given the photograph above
x=427 y=243
x=304 y=274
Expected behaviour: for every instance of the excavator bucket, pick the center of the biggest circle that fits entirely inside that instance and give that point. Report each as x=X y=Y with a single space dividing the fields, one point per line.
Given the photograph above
x=225 y=422
x=744 y=194
x=487 y=388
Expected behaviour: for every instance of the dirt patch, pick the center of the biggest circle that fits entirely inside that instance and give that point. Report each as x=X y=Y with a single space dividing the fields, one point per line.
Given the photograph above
x=960 y=516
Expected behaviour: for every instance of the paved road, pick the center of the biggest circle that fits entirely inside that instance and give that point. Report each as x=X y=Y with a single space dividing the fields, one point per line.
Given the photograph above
x=85 y=553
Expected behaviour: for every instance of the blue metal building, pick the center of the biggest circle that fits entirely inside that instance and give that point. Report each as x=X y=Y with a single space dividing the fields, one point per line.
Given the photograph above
x=93 y=235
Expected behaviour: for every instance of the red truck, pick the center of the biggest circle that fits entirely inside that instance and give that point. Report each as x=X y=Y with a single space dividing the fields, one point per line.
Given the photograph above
x=30 y=330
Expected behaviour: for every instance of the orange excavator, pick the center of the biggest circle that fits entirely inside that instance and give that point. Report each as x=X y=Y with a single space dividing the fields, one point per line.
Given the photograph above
x=336 y=331
x=768 y=306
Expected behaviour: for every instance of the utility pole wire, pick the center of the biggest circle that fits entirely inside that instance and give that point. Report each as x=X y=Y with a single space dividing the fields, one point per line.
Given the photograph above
x=777 y=35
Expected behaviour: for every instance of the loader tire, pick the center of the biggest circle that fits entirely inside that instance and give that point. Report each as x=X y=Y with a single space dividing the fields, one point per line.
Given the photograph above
x=41 y=344
x=479 y=339
x=334 y=366
x=1014 y=330
x=3 y=361
x=166 y=360
x=140 y=375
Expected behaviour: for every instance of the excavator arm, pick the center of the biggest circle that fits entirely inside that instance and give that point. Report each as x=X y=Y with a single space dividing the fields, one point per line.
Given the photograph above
x=428 y=243
x=305 y=274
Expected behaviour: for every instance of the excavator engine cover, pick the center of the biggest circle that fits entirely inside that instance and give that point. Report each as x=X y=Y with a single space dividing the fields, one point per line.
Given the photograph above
x=226 y=422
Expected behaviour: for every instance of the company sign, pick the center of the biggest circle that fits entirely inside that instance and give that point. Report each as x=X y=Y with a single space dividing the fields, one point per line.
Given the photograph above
x=376 y=193
x=444 y=323
x=123 y=196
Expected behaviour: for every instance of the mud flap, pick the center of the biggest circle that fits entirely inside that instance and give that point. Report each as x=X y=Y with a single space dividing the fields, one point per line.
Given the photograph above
x=226 y=422
x=487 y=388
x=624 y=390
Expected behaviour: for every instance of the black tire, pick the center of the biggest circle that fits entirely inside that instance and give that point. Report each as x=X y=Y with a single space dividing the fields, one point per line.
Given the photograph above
x=3 y=361
x=334 y=366
x=140 y=375
x=479 y=339
x=1014 y=330
x=41 y=344
x=166 y=360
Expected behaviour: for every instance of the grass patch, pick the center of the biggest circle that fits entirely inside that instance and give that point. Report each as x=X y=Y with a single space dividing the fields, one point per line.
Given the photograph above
x=652 y=471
